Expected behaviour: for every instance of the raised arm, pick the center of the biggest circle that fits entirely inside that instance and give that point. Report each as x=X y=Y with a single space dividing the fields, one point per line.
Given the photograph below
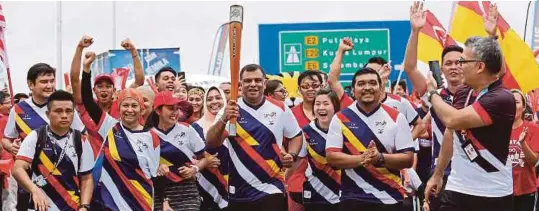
x=75 y=66
x=417 y=21
x=87 y=98
x=137 y=65
x=335 y=68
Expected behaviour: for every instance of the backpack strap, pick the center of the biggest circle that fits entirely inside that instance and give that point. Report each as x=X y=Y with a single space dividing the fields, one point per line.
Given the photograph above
x=41 y=139
x=77 y=141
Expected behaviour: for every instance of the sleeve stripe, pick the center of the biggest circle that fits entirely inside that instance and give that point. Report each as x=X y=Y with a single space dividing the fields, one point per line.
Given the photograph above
x=414 y=120
x=482 y=113
x=333 y=149
x=24 y=158
x=299 y=134
x=409 y=149
x=89 y=171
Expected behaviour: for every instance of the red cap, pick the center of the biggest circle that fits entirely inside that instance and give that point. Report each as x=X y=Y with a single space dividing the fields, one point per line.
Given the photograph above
x=102 y=77
x=165 y=98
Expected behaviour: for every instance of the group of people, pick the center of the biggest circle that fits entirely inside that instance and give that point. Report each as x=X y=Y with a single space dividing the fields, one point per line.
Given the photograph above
x=172 y=146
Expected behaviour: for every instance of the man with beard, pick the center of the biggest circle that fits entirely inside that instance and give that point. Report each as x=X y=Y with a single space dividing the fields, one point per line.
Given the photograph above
x=26 y=116
x=256 y=152
x=309 y=83
x=371 y=142
x=449 y=67
x=103 y=84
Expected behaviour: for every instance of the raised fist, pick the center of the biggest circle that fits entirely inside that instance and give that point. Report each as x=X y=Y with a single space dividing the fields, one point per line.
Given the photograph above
x=346 y=44
x=128 y=45
x=86 y=41
x=89 y=58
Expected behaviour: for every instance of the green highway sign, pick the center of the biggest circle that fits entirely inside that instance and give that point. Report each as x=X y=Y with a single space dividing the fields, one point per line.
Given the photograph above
x=315 y=49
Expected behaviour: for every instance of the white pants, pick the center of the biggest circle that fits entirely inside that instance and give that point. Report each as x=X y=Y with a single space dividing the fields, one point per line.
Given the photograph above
x=9 y=196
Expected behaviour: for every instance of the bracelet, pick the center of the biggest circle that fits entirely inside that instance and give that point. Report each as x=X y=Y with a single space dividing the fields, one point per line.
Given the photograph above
x=195 y=167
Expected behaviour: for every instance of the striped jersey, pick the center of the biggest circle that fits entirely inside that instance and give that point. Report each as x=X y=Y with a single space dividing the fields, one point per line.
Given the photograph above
x=179 y=145
x=127 y=161
x=213 y=183
x=490 y=174
x=323 y=181
x=62 y=189
x=26 y=116
x=350 y=131
x=255 y=167
x=438 y=130
x=403 y=106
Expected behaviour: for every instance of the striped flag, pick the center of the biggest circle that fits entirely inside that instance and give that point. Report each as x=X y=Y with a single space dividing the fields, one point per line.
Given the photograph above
x=217 y=59
x=431 y=42
x=4 y=66
x=522 y=71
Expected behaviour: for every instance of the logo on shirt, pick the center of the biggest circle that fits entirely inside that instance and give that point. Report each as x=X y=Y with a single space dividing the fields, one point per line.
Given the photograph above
x=242 y=120
x=271 y=117
x=380 y=126
x=180 y=137
x=141 y=145
x=26 y=117
x=516 y=155
x=352 y=125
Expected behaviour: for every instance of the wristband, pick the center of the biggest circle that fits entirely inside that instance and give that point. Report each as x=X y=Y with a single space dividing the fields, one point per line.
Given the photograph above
x=84 y=206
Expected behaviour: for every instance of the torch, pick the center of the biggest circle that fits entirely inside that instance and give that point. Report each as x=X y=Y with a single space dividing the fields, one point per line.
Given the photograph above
x=234 y=38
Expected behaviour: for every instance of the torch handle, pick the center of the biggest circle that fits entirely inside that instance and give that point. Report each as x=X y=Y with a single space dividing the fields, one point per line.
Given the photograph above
x=234 y=36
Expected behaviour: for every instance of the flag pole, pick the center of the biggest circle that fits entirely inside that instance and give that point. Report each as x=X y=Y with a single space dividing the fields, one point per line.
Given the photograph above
x=59 y=83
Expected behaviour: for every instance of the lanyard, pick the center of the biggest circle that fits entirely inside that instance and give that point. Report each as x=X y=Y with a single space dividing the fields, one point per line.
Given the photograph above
x=481 y=93
x=62 y=153
x=463 y=133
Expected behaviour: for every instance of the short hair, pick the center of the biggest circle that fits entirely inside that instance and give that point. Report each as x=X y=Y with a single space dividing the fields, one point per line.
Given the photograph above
x=39 y=69
x=401 y=83
x=60 y=95
x=332 y=97
x=3 y=96
x=365 y=71
x=272 y=86
x=19 y=96
x=310 y=74
x=252 y=68
x=487 y=50
x=377 y=60
x=451 y=48
x=162 y=70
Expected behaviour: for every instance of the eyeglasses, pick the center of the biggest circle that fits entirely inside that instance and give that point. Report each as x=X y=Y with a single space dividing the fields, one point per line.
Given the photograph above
x=282 y=91
x=463 y=61
x=306 y=86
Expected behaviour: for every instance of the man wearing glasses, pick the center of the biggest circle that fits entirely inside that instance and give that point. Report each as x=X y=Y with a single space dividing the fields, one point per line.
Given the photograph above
x=482 y=118
x=453 y=79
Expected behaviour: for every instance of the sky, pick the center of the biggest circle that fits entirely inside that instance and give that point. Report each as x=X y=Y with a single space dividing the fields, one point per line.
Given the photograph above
x=31 y=34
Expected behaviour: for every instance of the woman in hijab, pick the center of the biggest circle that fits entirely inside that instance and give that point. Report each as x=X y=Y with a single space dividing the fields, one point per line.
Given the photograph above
x=211 y=182
x=127 y=155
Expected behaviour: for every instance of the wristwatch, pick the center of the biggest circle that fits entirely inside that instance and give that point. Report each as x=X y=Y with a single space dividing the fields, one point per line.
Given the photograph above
x=84 y=206
x=381 y=159
x=432 y=93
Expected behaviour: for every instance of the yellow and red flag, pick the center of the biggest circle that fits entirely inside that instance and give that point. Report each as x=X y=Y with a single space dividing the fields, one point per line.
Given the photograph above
x=521 y=68
x=431 y=42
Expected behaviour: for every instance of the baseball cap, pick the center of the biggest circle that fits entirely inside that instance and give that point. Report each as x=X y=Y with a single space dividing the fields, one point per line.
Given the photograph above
x=165 y=98
x=104 y=77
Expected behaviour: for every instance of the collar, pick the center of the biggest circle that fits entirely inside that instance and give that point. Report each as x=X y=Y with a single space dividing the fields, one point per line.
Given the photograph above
x=56 y=136
x=255 y=107
x=38 y=105
x=320 y=128
x=167 y=131
x=370 y=113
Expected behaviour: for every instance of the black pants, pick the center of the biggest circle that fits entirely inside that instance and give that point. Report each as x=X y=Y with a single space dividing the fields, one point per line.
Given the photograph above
x=23 y=200
x=352 y=205
x=454 y=201
x=273 y=202
x=321 y=207
x=524 y=202
x=435 y=202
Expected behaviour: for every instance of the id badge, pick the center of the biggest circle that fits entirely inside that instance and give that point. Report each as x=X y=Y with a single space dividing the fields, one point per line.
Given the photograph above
x=470 y=151
x=40 y=181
